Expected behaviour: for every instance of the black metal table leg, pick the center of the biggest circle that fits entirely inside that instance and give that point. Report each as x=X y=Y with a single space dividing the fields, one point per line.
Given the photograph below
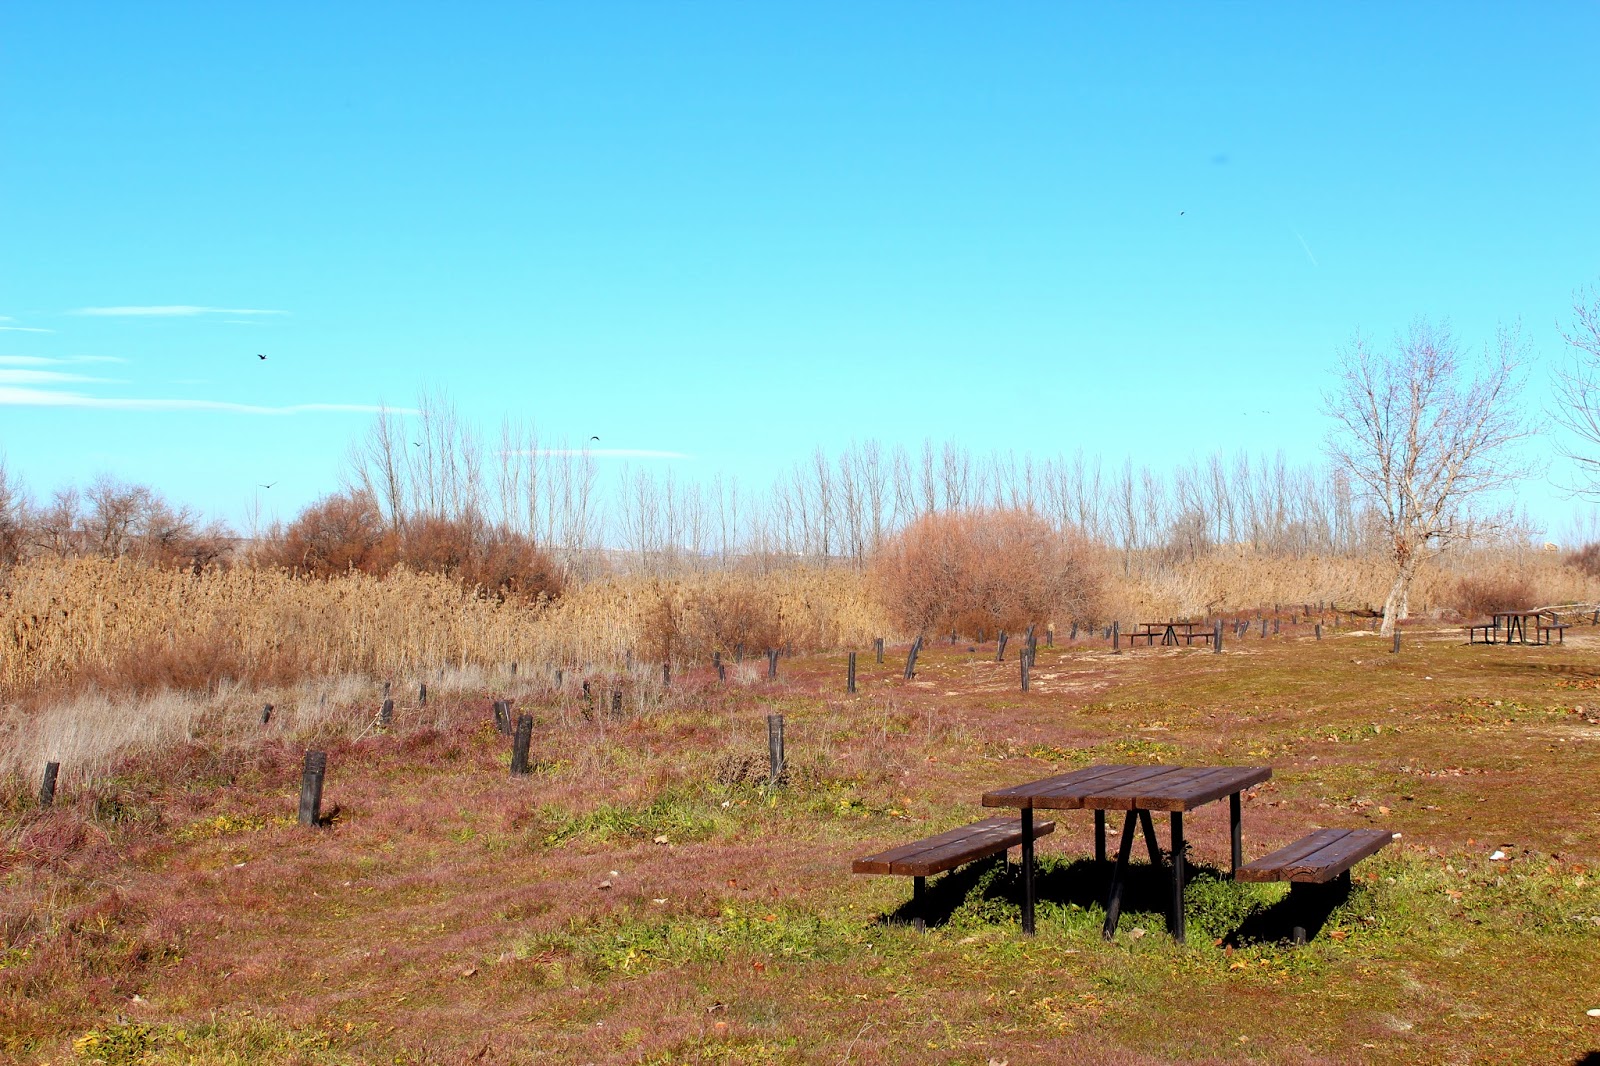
x=1099 y=836
x=1175 y=919
x=1114 y=903
x=1236 y=832
x=1150 y=844
x=1027 y=870
x=919 y=902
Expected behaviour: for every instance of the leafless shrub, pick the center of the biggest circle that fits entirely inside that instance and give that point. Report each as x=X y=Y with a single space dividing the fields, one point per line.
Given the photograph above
x=1478 y=596
x=335 y=535
x=1586 y=559
x=978 y=571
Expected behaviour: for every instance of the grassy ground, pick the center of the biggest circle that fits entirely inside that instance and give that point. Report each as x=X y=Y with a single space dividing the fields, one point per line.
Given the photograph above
x=642 y=897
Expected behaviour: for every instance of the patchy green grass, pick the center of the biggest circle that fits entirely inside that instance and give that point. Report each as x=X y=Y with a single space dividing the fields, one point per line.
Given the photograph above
x=645 y=897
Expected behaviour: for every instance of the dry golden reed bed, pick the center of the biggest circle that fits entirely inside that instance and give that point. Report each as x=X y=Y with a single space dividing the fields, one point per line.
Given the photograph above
x=120 y=625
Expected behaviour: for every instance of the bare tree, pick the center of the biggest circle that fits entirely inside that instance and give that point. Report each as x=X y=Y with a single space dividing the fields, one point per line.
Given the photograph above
x=57 y=528
x=13 y=517
x=378 y=464
x=1424 y=434
x=115 y=512
x=1578 y=390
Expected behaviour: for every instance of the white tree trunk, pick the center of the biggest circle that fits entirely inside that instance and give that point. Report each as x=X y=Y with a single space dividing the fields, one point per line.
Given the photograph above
x=1397 y=606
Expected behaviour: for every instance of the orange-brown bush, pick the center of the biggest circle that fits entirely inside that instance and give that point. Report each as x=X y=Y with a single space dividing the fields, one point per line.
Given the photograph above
x=726 y=615
x=335 y=535
x=979 y=571
x=498 y=562
x=1482 y=594
x=346 y=532
x=1586 y=559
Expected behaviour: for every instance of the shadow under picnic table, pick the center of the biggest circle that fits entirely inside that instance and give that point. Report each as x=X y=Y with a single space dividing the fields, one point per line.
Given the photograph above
x=1081 y=883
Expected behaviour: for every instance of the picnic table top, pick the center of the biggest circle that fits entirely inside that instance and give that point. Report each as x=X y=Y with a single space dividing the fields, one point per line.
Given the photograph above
x=1124 y=788
x=1171 y=625
x=1522 y=614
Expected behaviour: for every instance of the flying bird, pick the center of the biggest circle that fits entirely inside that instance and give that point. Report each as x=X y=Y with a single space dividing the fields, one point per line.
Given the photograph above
x=260 y=356
x=594 y=438
x=266 y=486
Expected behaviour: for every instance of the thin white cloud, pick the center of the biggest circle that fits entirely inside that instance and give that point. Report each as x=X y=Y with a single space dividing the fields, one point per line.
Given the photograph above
x=40 y=360
x=170 y=311
x=44 y=377
x=25 y=397
x=605 y=453
x=1306 y=246
x=24 y=329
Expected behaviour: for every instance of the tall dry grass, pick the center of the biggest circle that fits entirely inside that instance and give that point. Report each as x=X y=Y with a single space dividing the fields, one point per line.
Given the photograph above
x=99 y=658
x=117 y=625
x=120 y=626
x=1226 y=581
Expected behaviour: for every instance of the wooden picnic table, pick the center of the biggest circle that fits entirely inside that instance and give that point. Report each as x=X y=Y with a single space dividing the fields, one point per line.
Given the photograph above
x=1515 y=624
x=1138 y=790
x=1168 y=632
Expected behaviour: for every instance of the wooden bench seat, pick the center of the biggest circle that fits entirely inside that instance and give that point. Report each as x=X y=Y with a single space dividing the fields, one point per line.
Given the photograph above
x=1318 y=862
x=1543 y=631
x=922 y=859
x=1317 y=858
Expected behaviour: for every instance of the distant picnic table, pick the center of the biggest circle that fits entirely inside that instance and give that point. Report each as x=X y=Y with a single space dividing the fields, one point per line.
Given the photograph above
x=1515 y=626
x=1169 y=633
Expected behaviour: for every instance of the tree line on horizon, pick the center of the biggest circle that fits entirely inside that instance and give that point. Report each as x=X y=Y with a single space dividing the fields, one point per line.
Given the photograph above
x=1423 y=447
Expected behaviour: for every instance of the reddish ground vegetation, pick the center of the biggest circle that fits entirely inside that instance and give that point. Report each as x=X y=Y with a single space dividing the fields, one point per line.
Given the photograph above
x=452 y=913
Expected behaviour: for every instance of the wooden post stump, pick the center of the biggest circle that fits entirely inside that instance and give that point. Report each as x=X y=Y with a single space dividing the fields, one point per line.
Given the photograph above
x=775 y=749
x=1000 y=651
x=519 y=745
x=386 y=714
x=850 y=675
x=266 y=714
x=877 y=644
x=772 y=664
x=911 y=659
x=47 y=787
x=311 y=778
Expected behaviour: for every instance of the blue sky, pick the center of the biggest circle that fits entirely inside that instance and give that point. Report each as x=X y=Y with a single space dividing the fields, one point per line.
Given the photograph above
x=737 y=232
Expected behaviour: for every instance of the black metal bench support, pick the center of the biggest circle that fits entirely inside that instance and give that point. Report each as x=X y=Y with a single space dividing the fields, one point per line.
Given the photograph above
x=1235 y=832
x=1313 y=903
